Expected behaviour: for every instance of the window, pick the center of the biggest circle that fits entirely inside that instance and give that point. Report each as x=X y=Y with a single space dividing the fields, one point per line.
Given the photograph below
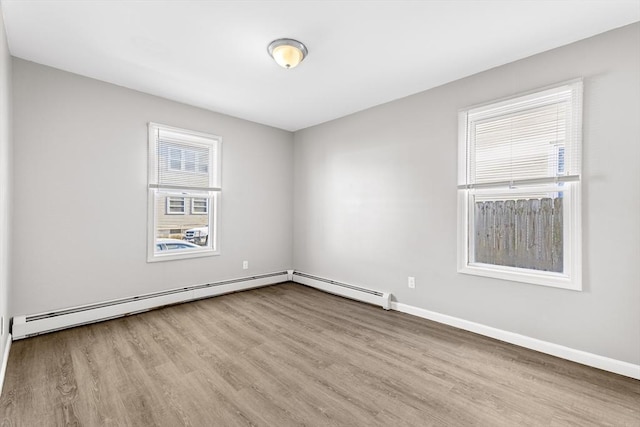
x=199 y=206
x=188 y=160
x=519 y=188
x=175 y=205
x=184 y=193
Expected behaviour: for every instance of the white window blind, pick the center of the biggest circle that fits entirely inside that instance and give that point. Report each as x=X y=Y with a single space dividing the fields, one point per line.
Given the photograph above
x=530 y=139
x=184 y=161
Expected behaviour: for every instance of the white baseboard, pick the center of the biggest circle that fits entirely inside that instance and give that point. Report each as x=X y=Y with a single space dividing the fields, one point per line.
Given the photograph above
x=28 y=325
x=358 y=293
x=579 y=356
x=5 y=360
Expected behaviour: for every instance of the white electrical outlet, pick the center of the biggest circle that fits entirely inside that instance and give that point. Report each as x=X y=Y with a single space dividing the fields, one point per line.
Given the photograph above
x=411 y=282
x=245 y=265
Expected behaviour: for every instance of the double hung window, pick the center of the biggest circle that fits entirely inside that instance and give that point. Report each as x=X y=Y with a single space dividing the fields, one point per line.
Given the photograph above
x=184 y=193
x=519 y=188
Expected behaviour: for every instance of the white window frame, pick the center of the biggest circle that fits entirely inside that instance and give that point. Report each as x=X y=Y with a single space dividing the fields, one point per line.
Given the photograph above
x=571 y=277
x=168 y=206
x=156 y=190
x=193 y=206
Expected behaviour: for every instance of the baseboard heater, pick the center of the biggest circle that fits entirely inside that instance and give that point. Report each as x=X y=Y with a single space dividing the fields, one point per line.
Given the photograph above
x=30 y=325
x=358 y=293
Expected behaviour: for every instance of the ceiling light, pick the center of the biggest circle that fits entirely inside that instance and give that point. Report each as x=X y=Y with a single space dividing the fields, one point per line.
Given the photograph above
x=288 y=53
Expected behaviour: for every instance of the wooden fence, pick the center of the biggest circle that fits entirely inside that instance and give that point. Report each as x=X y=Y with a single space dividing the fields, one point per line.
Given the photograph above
x=520 y=233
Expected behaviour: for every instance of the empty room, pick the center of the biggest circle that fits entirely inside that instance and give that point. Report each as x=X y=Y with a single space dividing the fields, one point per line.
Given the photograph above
x=320 y=213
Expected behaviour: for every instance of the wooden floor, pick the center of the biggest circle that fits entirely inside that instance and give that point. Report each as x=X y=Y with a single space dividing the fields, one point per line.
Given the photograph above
x=290 y=355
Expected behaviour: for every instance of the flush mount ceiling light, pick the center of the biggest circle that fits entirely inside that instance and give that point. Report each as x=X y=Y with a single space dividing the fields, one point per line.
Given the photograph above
x=287 y=53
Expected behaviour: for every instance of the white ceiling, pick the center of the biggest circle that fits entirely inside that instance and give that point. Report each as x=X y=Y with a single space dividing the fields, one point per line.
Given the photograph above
x=213 y=54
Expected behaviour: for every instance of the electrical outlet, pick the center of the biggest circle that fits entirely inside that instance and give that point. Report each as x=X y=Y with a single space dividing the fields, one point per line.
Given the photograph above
x=245 y=265
x=411 y=282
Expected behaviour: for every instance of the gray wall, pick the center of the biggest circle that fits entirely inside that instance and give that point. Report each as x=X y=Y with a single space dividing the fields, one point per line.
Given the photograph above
x=375 y=201
x=5 y=182
x=80 y=199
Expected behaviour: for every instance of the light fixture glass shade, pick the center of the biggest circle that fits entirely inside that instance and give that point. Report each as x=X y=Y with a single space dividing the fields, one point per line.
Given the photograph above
x=287 y=56
x=287 y=53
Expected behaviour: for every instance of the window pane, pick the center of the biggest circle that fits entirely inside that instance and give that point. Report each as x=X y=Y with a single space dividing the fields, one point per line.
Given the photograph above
x=524 y=232
x=519 y=146
x=531 y=137
x=183 y=164
x=180 y=231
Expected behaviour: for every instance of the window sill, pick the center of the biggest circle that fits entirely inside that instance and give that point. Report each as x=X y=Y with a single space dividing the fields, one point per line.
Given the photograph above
x=189 y=254
x=542 y=278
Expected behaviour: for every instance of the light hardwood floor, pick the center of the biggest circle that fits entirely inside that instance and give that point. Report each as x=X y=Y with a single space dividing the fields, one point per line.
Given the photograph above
x=290 y=355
